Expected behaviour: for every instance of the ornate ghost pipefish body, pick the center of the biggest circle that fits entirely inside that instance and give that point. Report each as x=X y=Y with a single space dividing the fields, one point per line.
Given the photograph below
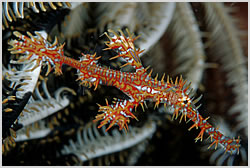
x=138 y=85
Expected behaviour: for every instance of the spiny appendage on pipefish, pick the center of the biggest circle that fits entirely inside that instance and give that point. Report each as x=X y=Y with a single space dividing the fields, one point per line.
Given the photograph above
x=38 y=49
x=125 y=48
x=84 y=70
x=118 y=113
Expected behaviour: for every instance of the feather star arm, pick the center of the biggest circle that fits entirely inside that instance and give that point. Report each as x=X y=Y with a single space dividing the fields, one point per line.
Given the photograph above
x=138 y=85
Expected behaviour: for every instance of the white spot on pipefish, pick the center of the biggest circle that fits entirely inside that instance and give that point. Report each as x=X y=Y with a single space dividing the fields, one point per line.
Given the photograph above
x=93 y=79
x=138 y=87
x=154 y=91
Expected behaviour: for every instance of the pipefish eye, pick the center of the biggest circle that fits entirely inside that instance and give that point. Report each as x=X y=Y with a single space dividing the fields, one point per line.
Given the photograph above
x=185 y=101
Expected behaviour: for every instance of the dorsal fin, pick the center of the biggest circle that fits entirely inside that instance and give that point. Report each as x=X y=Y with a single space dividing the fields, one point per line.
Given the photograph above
x=126 y=48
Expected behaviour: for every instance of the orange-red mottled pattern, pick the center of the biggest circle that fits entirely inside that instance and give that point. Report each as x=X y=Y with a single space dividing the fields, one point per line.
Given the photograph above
x=139 y=85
